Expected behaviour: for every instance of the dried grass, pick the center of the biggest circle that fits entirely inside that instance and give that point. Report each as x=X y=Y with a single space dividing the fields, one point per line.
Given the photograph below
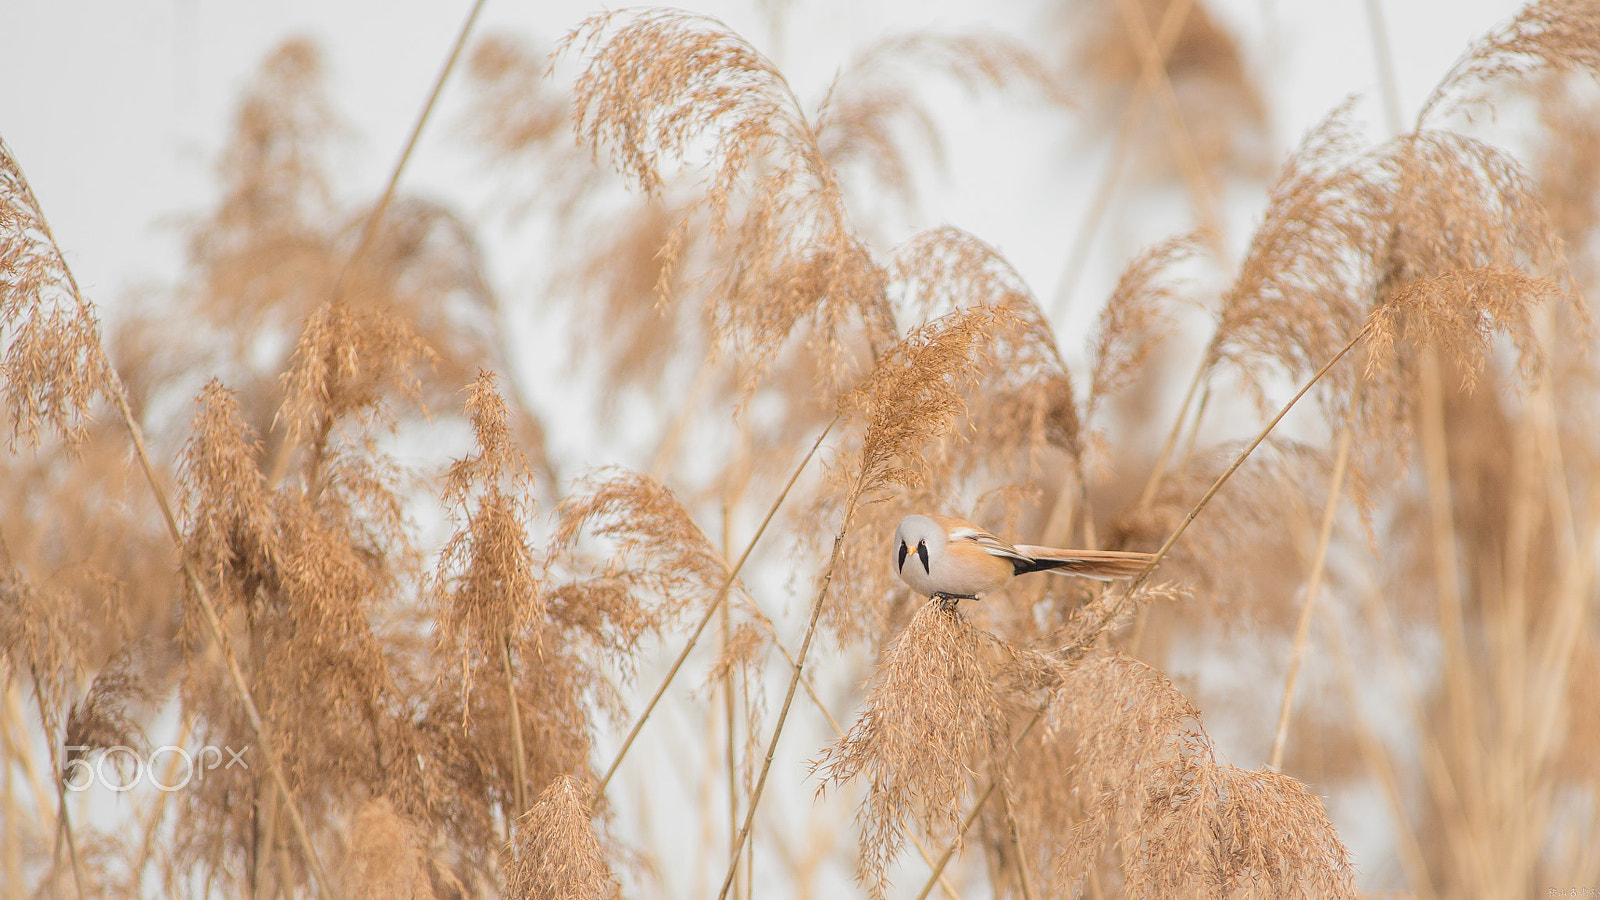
x=556 y=855
x=426 y=665
x=936 y=711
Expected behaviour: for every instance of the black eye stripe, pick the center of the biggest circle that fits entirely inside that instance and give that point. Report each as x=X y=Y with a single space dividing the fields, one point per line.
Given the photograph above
x=903 y=551
x=922 y=554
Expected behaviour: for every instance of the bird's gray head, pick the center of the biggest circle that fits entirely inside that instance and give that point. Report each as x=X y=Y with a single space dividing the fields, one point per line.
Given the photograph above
x=916 y=541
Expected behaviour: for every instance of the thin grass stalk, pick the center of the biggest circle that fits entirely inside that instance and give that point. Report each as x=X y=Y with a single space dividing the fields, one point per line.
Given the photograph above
x=788 y=698
x=1510 y=629
x=11 y=860
x=977 y=807
x=1557 y=646
x=19 y=748
x=63 y=823
x=1172 y=21
x=369 y=227
x=838 y=731
x=1144 y=575
x=284 y=865
x=711 y=609
x=1194 y=430
x=729 y=704
x=152 y=823
x=1154 y=61
x=1378 y=760
x=1024 y=880
x=1383 y=55
x=749 y=875
x=730 y=756
x=520 y=767
x=1302 y=630
x=1460 y=686
x=1238 y=461
x=1436 y=771
x=1159 y=471
x=64 y=828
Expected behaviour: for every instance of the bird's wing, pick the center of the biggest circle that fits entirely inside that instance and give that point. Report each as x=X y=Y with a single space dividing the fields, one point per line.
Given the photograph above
x=960 y=530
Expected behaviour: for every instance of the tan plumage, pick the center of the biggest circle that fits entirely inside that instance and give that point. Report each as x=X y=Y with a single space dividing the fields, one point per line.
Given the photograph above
x=953 y=558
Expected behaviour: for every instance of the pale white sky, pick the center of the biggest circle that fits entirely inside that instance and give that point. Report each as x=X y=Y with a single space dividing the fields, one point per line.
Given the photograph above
x=117 y=108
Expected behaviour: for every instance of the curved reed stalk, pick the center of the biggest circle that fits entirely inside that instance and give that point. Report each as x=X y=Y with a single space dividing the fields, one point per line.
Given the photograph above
x=1238 y=461
x=369 y=227
x=711 y=609
x=1302 y=630
x=788 y=700
x=1166 y=38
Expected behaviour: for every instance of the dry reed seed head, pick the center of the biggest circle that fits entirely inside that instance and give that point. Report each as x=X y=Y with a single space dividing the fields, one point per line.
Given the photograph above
x=917 y=393
x=1029 y=402
x=873 y=115
x=659 y=84
x=1554 y=35
x=309 y=574
x=937 y=710
x=658 y=547
x=515 y=115
x=123 y=692
x=1136 y=319
x=1182 y=823
x=53 y=366
x=1567 y=166
x=486 y=582
x=1223 y=110
x=634 y=273
x=278 y=247
x=41 y=641
x=1300 y=292
x=467 y=724
x=556 y=854
x=811 y=278
x=1233 y=832
x=349 y=360
x=1459 y=311
x=386 y=859
x=1454 y=201
x=424 y=263
x=280 y=129
x=231 y=517
x=263 y=254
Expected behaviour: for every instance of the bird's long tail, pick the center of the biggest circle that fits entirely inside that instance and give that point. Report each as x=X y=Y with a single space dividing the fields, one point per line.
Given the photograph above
x=1104 y=565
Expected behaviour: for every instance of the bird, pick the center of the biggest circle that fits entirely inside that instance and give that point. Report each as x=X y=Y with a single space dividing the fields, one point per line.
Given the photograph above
x=953 y=559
